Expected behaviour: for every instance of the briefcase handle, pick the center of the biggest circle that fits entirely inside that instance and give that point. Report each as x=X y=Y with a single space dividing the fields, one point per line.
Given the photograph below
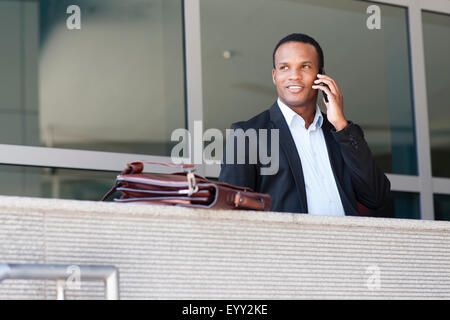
x=136 y=167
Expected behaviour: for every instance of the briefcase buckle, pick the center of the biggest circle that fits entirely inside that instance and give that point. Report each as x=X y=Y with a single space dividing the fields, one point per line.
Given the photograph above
x=192 y=184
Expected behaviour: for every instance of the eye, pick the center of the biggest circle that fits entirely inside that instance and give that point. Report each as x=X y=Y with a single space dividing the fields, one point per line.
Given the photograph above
x=283 y=68
x=306 y=66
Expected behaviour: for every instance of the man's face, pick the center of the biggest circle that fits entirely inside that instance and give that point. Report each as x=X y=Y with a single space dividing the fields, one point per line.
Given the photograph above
x=296 y=68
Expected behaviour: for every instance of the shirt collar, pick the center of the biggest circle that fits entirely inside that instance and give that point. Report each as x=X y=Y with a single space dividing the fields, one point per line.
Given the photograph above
x=290 y=115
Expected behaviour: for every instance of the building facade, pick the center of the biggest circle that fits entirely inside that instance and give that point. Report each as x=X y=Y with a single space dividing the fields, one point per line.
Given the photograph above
x=89 y=85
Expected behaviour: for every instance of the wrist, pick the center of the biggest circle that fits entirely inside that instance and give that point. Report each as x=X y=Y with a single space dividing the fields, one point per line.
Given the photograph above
x=340 y=124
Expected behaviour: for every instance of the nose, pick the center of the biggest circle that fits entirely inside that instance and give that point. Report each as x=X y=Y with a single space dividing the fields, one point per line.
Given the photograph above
x=295 y=74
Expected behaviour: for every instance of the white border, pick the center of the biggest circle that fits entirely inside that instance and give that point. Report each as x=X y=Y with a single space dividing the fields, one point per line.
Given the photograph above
x=425 y=184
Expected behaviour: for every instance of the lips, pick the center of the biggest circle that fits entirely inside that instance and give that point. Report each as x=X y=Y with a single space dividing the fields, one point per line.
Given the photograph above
x=295 y=88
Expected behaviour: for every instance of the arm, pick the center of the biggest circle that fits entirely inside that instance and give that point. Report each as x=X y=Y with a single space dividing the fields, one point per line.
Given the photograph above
x=371 y=186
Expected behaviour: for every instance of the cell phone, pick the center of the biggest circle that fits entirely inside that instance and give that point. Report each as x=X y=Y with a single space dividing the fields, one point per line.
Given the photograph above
x=321 y=71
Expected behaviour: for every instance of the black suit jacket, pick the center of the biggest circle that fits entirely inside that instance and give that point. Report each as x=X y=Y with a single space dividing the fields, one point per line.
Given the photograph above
x=357 y=176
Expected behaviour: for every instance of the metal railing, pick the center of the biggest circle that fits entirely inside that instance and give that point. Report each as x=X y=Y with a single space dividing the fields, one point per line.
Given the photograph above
x=65 y=274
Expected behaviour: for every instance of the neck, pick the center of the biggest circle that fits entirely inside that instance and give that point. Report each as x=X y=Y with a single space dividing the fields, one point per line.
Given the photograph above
x=306 y=112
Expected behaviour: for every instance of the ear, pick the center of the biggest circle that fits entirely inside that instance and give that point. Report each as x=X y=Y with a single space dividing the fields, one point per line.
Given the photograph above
x=273 y=76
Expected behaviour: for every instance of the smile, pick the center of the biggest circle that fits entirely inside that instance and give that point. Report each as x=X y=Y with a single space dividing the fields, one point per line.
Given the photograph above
x=295 y=89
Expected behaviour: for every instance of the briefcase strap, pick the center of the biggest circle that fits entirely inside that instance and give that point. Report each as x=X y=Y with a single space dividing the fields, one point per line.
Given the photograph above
x=109 y=193
x=243 y=201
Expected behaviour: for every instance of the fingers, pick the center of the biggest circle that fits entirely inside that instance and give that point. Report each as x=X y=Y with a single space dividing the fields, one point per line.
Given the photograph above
x=325 y=89
x=330 y=82
x=325 y=77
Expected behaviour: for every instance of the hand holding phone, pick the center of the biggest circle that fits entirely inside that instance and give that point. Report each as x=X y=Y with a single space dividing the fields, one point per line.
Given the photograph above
x=334 y=103
x=321 y=71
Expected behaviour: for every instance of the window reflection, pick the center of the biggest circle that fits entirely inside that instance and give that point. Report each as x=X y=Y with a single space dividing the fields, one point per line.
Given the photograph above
x=371 y=67
x=55 y=182
x=436 y=35
x=116 y=84
x=442 y=207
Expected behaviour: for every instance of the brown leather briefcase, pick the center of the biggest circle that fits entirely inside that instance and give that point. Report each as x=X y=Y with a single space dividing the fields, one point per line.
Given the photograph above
x=183 y=189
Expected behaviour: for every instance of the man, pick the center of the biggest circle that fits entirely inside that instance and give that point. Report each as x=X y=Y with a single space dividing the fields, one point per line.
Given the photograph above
x=325 y=165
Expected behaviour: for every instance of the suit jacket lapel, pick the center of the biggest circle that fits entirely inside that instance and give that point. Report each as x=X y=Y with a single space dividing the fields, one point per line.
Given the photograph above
x=288 y=146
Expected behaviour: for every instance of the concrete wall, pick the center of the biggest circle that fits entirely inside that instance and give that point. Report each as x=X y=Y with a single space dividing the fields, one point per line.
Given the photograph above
x=178 y=253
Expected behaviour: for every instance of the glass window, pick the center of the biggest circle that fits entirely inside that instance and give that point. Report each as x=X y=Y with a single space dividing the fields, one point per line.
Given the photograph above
x=442 y=207
x=402 y=205
x=106 y=77
x=54 y=182
x=436 y=41
x=371 y=67
x=406 y=205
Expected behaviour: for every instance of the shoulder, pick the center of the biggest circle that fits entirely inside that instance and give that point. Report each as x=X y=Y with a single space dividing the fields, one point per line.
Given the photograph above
x=260 y=121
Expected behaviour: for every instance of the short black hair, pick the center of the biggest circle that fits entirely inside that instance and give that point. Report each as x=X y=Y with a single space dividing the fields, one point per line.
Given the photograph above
x=300 y=37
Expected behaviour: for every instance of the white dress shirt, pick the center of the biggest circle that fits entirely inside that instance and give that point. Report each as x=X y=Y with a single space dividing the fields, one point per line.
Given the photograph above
x=322 y=194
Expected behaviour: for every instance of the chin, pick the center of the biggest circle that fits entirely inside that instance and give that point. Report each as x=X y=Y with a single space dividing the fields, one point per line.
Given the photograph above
x=301 y=102
x=296 y=103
